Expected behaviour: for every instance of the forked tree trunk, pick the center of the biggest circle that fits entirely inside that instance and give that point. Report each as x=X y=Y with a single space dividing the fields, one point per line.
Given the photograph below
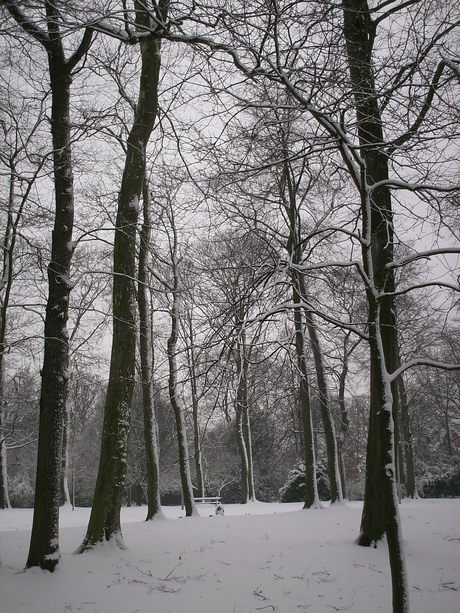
x=293 y=248
x=179 y=415
x=240 y=402
x=104 y=523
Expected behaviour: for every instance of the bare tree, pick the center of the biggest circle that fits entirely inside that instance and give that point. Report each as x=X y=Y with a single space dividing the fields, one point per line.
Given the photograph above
x=104 y=523
x=372 y=133
x=44 y=545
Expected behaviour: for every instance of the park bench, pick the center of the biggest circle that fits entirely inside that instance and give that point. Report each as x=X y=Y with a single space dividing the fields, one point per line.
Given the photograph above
x=208 y=499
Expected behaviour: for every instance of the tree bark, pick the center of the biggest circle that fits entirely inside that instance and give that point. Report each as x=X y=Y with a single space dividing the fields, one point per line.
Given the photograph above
x=104 y=523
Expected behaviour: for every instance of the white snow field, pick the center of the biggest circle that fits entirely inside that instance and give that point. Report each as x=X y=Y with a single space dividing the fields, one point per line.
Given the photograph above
x=257 y=557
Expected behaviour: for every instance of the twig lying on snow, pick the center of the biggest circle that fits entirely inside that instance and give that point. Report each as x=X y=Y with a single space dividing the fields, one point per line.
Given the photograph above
x=331 y=606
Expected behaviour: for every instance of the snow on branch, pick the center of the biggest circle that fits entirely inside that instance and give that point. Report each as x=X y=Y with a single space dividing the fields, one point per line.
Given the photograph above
x=287 y=306
x=439 y=284
x=332 y=263
x=422 y=255
x=412 y=187
x=422 y=362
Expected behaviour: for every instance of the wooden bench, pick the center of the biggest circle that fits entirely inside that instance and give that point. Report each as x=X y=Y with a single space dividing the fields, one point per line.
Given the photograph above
x=208 y=499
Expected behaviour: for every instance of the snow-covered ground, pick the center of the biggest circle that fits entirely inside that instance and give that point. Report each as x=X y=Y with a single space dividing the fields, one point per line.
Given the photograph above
x=258 y=557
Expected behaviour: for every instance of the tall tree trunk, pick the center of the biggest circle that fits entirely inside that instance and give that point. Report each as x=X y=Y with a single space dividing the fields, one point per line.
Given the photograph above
x=240 y=402
x=411 y=487
x=243 y=427
x=344 y=421
x=191 y=359
x=5 y=290
x=197 y=441
x=380 y=510
x=311 y=496
x=326 y=415
x=4 y=497
x=248 y=444
x=145 y=344
x=44 y=542
x=184 y=461
x=65 y=461
x=104 y=522
x=288 y=196
x=243 y=452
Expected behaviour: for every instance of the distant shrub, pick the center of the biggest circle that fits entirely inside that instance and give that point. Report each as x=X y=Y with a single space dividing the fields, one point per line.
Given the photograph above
x=355 y=489
x=231 y=493
x=442 y=483
x=21 y=494
x=294 y=488
x=172 y=495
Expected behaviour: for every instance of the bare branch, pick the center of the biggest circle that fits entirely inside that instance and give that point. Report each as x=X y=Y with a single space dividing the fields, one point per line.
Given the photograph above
x=422 y=362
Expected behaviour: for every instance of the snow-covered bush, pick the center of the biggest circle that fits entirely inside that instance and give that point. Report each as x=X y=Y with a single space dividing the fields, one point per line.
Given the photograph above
x=171 y=493
x=443 y=481
x=21 y=493
x=355 y=488
x=294 y=488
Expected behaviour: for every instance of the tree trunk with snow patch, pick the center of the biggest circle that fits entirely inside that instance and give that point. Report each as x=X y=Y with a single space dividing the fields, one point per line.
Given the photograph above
x=380 y=511
x=104 y=523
